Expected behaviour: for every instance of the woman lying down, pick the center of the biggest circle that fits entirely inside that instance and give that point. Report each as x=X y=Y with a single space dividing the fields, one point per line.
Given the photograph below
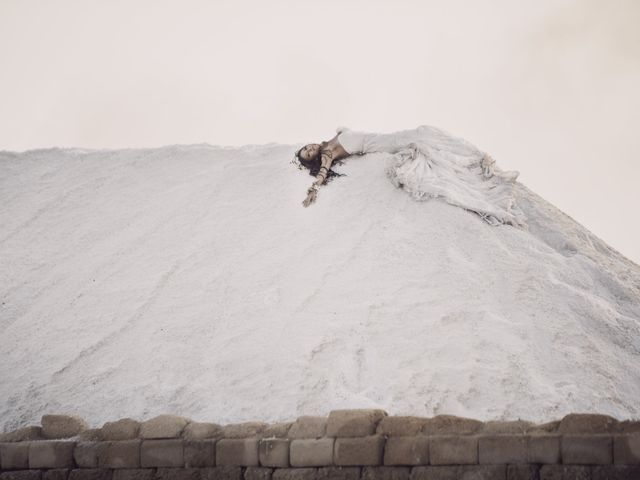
x=427 y=163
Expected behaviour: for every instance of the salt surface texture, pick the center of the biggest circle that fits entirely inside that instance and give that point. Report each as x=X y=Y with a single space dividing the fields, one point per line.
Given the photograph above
x=190 y=280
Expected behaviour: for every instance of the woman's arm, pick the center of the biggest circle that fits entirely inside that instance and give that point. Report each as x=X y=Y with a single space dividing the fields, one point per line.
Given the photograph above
x=326 y=160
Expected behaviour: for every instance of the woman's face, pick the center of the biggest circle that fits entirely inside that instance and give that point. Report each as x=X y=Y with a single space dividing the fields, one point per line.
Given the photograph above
x=309 y=151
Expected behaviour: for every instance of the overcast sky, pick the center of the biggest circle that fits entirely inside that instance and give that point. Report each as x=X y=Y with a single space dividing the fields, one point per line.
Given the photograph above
x=550 y=88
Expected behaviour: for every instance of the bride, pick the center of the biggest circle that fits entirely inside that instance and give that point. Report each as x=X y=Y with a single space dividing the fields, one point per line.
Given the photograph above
x=427 y=163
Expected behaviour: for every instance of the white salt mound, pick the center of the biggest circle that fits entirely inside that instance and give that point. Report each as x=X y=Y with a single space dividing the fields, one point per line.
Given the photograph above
x=190 y=280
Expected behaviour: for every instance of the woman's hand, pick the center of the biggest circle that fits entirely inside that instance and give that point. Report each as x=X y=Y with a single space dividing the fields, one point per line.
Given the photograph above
x=312 y=194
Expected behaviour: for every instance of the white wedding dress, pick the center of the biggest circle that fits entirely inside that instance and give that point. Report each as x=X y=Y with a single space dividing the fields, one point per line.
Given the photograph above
x=429 y=163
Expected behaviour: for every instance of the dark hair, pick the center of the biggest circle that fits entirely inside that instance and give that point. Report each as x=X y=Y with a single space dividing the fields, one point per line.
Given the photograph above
x=314 y=164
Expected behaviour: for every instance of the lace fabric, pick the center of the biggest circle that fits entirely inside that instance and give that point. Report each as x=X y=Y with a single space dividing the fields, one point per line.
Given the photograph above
x=429 y=163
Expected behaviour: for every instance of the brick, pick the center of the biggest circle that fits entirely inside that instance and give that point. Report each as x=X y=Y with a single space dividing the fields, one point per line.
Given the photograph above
x=308 y=427
x=134 y=474
x=239 y=452
x=86 y=454
x=311 y=453
x=14 y=455
x=221 y=473
x=544 y=428
x=626 y=449
x=543 y=449
x=587 y=423
x=513 y=427
x=124 y=454
x=434 y=473
x=257 y=473
x=523 y=472
x=123 y=429
x=162 y=453
x=615 y=472
x=482 y=472
x=274 y=452
x=90 y=435
x=244 y=430
x=386 y=473
x=565 y=472
x=90 y=474
x=494 y=449
x=277 y=430
x=338 y=473
x=21 y=475
x=587 y=449
x=178 y=474
x=453 y=450
x=294 y=474
x=407 y=451
x=353 y=423
x=401 y=426
x=56 y=474
x=451 y=425
x=62 y=426
x=359 y=451
x=199 y=453
x=163 y=426
x=51 y=454
x=22 y=434
x=629 y=426
x=202 y=431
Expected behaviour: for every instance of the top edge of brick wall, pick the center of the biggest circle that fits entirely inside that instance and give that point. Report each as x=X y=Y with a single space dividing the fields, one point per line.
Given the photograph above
x=339 y=423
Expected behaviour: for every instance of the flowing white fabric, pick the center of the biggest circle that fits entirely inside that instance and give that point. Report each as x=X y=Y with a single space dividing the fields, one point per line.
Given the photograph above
x=430 y=163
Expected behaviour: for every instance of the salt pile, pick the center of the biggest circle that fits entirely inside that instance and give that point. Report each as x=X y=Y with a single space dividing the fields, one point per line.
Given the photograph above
x=190 y=280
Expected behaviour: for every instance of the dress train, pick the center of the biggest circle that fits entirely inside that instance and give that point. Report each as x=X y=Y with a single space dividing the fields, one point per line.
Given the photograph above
x=430 y=163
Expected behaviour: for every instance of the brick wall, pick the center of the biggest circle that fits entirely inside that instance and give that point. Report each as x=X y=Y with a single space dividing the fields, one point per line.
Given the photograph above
x=346 y=445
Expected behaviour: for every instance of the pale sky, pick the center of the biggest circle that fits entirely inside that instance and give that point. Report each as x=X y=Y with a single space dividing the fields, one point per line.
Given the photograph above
x=549 y=88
